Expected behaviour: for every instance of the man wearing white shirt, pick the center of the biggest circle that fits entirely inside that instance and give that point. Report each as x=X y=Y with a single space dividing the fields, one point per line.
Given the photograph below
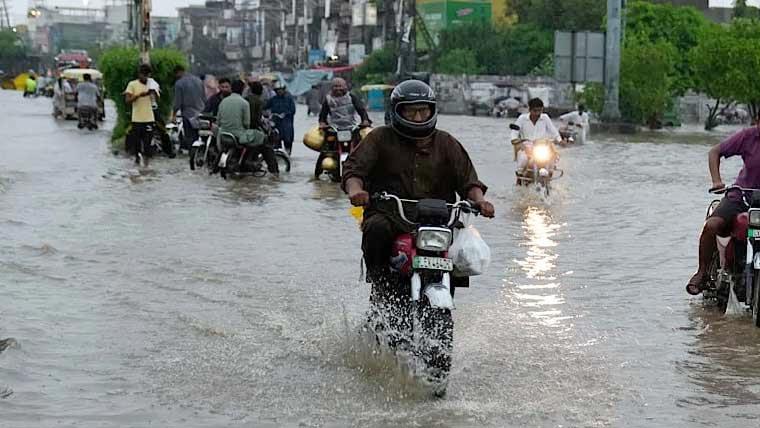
x=535 y=125
x=578 y=117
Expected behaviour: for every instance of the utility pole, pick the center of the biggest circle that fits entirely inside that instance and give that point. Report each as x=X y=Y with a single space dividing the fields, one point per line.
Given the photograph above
x=407 y=58
x=143 y=28
x=5 y=18
x=611 y=112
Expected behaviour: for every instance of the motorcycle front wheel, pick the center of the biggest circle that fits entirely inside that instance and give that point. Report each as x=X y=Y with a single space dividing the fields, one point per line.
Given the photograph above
x=436 y=345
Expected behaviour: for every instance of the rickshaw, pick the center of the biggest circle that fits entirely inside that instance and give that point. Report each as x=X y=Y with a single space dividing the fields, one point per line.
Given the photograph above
x=65 y=103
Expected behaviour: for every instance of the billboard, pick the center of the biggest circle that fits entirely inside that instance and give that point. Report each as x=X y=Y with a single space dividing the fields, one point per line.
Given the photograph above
x=440 y=14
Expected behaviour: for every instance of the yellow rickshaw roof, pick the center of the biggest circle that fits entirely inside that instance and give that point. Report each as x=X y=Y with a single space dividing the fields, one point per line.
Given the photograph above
x=78 y=73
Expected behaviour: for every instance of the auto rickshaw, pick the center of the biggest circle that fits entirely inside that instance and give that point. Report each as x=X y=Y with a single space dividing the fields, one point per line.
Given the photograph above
x=65 y=103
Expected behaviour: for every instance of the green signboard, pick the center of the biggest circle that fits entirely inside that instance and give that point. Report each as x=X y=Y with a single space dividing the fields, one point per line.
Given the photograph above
x=440 y=14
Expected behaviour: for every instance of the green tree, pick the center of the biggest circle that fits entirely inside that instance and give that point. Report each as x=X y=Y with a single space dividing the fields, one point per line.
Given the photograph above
x=679 y=26
x=378 y=67
x=742 y=10
x=119 y=67
x=513 y=50
x=11 y=46
x=713 y=69
x=745 y=62
x=645 y=80
x=571 y=15
x=458 y=61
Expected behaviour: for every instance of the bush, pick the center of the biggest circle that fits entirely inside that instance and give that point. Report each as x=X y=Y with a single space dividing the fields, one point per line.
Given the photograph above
x=592 y=97
x=119 y=67
x=458 y=61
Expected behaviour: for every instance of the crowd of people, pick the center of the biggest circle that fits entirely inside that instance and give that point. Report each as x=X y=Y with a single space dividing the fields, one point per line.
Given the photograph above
x=237 y=107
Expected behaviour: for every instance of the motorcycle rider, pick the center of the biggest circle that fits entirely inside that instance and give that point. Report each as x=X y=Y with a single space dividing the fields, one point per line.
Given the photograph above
x=534 y=125
x=190 y=99
x=235 y=117
x=578 y=117
x=413 y=160
x=283 y=107
x=341 y=107
x=30 y=89
x=745 y=143
x=256 y=89
x=212 y=104
x=87 y=100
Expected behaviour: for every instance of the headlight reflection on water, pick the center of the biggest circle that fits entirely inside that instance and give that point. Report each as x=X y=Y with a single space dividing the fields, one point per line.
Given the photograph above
x=538 y=290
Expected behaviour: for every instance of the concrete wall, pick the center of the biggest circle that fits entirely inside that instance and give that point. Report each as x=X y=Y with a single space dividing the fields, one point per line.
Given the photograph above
x=455 y=93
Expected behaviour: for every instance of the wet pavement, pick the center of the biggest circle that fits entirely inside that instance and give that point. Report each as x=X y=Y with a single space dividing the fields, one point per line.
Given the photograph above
x=172 y=298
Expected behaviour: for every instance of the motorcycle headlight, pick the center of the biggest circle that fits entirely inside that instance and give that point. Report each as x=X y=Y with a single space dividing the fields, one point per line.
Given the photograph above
x=754 y=218
x=433 y=239
x=542 y=153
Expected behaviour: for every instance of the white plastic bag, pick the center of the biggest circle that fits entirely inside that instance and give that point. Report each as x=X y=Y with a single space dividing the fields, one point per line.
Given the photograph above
x=469 y=252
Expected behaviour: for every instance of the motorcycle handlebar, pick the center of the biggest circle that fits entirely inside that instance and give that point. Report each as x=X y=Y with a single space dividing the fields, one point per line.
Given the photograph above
x=724 y=190
x=456 y=208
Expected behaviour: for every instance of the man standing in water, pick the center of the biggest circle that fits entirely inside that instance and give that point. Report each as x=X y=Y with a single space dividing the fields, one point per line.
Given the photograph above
x=746 y=144
x=138 y=95
x=283 y=108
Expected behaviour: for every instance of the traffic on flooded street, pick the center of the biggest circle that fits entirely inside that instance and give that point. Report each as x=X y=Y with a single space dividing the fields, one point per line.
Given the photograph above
x=161 y=295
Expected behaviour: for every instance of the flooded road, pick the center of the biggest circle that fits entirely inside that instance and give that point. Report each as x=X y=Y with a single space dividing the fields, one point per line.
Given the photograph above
x=178 y=299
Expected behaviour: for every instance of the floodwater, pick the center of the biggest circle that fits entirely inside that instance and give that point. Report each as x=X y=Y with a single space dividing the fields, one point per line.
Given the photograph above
x=176 y=299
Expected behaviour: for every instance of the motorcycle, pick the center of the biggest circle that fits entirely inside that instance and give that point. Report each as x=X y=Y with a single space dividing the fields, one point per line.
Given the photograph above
x=338 y=144
x=235 y=159
x=736 y=263
x=204 y=151
x=571 y=134
x=87 y=118
x=541 y=168
x=421 y=293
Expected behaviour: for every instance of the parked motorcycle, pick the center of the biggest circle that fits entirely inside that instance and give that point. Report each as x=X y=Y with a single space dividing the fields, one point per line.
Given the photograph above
x=235 y=159
x=541 y=167
x=337 y=145
x=736 y=263
x=419 y=315
x=204 y=151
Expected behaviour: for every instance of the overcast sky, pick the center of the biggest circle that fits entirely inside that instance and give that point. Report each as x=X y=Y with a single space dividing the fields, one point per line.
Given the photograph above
x=160 y=7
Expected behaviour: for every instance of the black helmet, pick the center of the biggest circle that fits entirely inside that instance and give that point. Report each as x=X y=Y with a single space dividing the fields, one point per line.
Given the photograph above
x=413 y=92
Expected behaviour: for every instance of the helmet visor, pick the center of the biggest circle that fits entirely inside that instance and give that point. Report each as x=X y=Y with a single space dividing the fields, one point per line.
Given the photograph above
x=416 y=112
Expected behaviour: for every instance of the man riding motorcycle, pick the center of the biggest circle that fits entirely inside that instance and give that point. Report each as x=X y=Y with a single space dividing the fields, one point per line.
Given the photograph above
x=87 y=102
x=413 y=160
x=235 y=118
x=535 y=125
x=340 y=108
x=746 y=144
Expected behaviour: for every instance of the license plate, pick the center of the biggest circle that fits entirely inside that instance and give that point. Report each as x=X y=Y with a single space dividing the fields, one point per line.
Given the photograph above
x=754 y=233
x=344 y=136
x=434 y=263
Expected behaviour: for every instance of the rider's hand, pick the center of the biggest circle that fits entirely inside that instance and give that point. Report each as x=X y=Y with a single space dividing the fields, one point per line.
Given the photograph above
x=486 y=209
x=365 y=124
x=359 y=198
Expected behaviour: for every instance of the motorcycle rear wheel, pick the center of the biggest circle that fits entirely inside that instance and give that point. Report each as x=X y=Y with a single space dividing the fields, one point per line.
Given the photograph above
x=283 y=161
x=192 y=155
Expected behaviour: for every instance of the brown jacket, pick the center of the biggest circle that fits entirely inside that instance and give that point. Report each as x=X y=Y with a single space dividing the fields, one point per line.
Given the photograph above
x=436 y=168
